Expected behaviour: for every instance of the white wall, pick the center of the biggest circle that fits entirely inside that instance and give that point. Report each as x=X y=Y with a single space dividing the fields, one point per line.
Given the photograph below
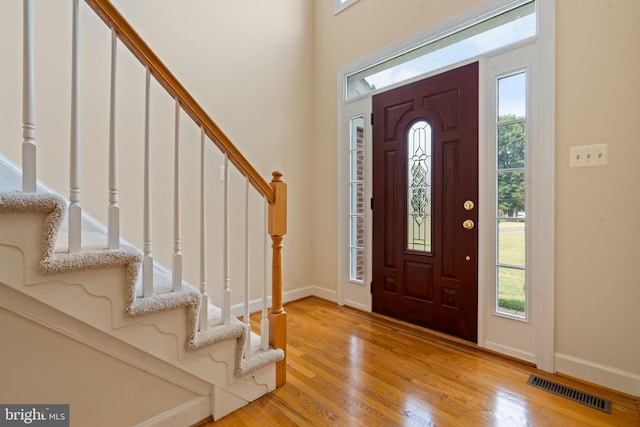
x=597 y=285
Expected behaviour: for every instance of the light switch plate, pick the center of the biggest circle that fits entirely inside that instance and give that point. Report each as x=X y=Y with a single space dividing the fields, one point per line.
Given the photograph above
x=581 y=156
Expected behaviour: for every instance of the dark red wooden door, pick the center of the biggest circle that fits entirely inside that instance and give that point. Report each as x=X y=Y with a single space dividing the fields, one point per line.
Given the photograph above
x=425 y=192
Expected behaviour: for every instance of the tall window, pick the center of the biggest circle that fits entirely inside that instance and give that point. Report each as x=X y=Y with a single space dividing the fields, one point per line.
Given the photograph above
x=356 y=214
x=511 y=216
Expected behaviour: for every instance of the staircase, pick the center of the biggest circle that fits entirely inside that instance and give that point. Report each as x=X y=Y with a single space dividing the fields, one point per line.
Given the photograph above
x=90 y=320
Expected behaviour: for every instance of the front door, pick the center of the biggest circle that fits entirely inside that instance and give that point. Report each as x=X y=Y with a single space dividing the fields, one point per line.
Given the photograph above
x=425 y=193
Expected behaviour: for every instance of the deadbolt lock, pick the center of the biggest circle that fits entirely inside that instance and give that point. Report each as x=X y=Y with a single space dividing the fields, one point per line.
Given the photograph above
x=468 y=224
x=469 y=205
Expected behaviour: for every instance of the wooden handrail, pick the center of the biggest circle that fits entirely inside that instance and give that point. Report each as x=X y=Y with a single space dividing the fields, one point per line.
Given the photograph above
x=130 y=38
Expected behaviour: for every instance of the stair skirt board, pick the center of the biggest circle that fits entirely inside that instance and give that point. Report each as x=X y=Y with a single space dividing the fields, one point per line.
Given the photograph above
x=66 y=269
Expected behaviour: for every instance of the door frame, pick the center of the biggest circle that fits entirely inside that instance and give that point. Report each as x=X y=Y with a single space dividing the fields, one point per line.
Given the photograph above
x=541 y=196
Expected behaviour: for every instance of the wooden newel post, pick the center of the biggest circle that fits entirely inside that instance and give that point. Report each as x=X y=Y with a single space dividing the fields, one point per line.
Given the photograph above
x=277 y=316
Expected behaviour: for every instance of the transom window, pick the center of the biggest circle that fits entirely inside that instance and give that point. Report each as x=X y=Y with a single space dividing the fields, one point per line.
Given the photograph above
x=501 y=30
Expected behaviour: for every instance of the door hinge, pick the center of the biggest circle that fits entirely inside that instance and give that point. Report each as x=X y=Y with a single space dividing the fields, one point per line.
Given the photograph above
x=371 y=119
x=372 y=203
x=371 y=288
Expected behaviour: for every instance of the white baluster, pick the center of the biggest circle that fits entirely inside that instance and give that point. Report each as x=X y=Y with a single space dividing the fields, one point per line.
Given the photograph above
x=204 y=302
x=177 y=254
x=147 y=261
x=28 y=103
x=75 y=211
x=264 y=322
x=226 y=292
x=114 y=208
x=247 y=314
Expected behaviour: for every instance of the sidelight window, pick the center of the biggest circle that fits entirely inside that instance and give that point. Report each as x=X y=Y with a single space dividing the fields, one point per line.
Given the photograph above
x=511 y=218
x=356 y=211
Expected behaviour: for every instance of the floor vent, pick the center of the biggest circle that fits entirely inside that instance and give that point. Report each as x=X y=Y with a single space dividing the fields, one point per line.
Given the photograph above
x=590 y=400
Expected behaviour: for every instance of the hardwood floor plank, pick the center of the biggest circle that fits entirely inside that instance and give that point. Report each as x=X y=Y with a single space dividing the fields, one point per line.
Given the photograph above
x=349 y=368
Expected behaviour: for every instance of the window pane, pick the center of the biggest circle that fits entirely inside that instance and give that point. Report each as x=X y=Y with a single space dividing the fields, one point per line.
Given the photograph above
x=511 y=194
x=511 y=291
x=357 y=231
x=356 y=249
x=357 y=198
x=511 y=145
x=357 y=133
x=512 y=97
x=509 y=27
x=511 y=243
x=356 y=144
x=356 y=270
x=419 y=187
x=354 y=172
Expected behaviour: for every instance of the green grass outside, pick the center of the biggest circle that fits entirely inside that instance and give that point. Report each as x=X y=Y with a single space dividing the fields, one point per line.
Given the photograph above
x=511 y=281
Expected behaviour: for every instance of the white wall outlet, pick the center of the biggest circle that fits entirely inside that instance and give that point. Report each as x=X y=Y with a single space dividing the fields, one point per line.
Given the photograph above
x=588 y=155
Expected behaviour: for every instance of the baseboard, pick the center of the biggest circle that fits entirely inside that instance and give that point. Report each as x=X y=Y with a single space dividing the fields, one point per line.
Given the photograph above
x=288 y=296
x=511 y=352
x=357 y=305
x=187 y=414
x=324 y=293
x=607 y=376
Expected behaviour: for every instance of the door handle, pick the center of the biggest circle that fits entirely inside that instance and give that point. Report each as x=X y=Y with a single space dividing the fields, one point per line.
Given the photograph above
x=468 y=224
x=469 y=205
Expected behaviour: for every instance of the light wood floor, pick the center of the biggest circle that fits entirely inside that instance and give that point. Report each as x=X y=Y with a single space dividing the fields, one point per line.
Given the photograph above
x=348 y=368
